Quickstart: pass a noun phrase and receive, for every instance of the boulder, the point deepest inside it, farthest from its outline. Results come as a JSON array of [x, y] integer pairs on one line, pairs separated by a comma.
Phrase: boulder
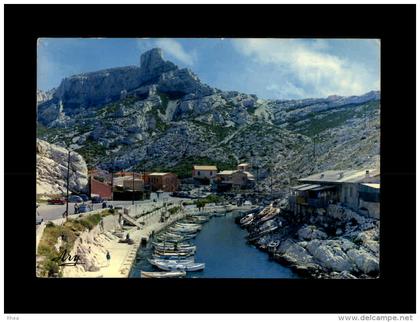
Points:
[[295, 254], [310, 232], [365, 262], [330, 255]]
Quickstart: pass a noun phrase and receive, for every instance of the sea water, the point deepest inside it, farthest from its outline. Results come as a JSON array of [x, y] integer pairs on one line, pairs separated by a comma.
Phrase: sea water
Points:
[[222, 246]]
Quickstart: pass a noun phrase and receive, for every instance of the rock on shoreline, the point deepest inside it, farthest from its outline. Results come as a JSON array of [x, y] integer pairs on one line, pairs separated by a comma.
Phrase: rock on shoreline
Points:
[[340, 244]]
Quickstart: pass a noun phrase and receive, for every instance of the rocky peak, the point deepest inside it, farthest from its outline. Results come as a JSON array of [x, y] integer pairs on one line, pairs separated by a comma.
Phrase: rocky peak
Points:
[[152, 65]]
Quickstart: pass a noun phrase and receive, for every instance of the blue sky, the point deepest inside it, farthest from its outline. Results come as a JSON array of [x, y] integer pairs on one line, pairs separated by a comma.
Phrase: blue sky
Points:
[[269, 68]]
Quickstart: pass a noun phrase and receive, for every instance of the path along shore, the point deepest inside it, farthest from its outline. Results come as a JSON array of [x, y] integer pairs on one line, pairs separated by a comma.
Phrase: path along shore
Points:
[[92, 246]]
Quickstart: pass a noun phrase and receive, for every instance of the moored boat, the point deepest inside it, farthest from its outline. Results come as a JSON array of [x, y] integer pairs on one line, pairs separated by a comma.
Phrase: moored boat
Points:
[[273, 244], [171, 257], [171, 244], [188, 267], [155, 261], [172, 247], [174, 274], [247, 219], [269, 216]]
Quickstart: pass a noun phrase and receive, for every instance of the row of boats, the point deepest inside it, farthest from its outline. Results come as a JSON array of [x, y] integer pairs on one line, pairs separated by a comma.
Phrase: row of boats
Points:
[[173, 251], [264, 222]]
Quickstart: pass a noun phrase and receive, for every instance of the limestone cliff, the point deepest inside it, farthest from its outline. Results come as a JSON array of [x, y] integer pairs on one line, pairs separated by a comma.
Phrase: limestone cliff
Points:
[[52, 170]]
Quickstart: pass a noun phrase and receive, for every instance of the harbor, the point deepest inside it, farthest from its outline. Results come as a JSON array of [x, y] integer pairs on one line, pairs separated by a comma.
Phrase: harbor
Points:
[[219, 250]]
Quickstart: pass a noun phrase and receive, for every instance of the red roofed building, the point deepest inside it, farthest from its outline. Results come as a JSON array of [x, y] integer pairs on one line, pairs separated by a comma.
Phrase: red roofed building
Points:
[[102, 189]]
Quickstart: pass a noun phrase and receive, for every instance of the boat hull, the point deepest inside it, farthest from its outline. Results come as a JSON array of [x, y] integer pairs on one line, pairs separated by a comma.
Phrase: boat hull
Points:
[[175, 274]]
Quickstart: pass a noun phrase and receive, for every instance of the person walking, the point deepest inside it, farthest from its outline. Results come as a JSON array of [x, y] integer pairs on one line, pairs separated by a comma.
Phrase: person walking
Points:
[[76, 208], [108, 257]]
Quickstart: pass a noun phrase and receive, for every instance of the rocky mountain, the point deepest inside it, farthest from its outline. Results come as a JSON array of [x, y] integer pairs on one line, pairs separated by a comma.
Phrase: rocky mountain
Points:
[[156, 116], [52, 170], [43, 96]]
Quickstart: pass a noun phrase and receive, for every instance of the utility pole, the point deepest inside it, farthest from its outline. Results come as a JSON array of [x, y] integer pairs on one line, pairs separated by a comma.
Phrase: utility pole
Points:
[[112, 180], [68, 182], [144, 182], [133, 188], [271, 180], [314, 153]]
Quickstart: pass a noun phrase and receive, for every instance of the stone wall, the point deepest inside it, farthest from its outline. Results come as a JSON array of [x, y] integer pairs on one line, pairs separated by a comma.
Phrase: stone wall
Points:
[[373, 208]]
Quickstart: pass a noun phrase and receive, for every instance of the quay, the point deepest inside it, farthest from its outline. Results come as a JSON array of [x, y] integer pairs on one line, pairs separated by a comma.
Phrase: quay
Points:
[[147, 220]]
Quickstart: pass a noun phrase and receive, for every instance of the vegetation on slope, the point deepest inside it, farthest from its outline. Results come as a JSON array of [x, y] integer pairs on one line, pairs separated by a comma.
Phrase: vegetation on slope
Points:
[[319, 122], [70, 230]]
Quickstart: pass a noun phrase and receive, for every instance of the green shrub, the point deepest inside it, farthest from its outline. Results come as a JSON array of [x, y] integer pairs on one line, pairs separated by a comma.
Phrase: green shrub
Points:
[[209, 199], [174, 210]]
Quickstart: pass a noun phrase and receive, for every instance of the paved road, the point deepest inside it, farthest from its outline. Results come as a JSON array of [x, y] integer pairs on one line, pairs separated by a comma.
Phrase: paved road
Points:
[[50, 212]]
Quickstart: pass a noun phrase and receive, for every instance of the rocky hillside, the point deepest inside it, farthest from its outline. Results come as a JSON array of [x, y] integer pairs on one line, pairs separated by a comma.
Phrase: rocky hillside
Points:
[[42, 96], [52, 170], [156, 116]]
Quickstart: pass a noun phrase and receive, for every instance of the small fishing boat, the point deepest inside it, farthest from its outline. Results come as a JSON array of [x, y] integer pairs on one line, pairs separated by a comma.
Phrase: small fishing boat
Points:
[[180, 235], [201, 219], [188, 267], [261, 233], [249, 222], [270, 215], [173, 252], [172, 247], [156, 261], [188, 225], [273, 244], [171, 257], [175, 274], [182, 230], [170, 244], [246, 219], [169, 239]]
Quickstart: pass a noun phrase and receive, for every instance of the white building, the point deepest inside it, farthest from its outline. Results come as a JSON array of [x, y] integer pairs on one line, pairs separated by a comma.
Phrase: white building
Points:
[[204, 171]]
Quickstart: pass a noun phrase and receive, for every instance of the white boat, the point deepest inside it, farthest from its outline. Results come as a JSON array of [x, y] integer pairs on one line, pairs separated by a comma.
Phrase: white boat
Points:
[[172, 257], [175, 274], [249, 222], [188, 226], [247, 219], [188, 267], [155, 261], [173, 253], [178, 248], [170, 244], [268, 216], [273, 244], [181, 230]]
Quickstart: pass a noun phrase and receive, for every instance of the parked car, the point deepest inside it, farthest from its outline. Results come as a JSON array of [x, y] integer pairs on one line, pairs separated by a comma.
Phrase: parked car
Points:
[[39, 219], [97, 199], [75, 198], [83, 208], [57, 201], [84, 197]]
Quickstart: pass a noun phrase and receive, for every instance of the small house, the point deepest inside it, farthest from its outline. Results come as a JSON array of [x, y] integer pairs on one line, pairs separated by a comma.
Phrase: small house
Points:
[[243, 167], [234, 178], [165, 181], [204, 171], [355, 189]]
